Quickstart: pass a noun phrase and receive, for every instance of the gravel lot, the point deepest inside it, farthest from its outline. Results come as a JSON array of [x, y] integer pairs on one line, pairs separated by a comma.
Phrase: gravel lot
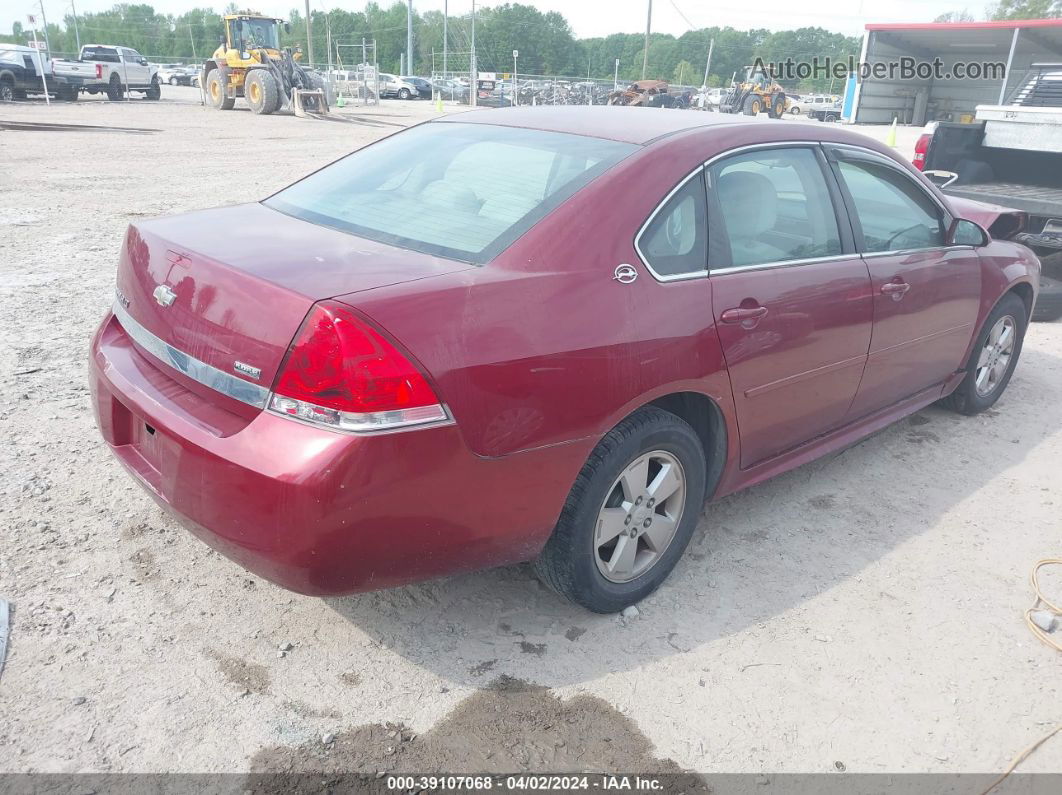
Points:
[[863, 612]]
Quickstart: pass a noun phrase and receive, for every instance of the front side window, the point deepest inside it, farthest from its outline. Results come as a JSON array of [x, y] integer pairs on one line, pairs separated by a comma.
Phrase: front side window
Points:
[[463, 191], [774, 207], [894, 213], [675, 241]]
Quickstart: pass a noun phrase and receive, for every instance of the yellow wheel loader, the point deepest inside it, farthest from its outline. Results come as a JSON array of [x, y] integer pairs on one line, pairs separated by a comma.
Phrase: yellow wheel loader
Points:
[[250, 63], [759, 93]]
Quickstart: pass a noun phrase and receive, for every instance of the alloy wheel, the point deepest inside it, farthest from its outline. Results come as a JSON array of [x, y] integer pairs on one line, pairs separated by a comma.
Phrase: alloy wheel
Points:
[[995, 356], [640, 516]]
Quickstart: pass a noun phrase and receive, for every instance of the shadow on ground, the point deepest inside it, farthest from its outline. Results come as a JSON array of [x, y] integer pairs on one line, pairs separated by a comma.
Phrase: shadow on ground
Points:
[[756, 553]]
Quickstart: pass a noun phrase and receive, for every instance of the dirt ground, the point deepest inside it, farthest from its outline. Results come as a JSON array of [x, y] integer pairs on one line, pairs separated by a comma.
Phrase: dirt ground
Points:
[[863, 612]]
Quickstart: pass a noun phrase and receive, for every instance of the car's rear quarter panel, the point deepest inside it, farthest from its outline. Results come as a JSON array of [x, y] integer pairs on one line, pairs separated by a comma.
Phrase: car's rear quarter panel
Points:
[[542, 346]]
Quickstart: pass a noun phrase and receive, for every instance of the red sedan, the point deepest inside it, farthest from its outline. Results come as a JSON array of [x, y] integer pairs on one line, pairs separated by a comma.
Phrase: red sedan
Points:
[[542, 334]]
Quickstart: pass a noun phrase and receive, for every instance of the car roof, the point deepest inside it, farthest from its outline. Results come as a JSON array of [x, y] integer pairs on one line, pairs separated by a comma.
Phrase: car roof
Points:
[[613, 122]]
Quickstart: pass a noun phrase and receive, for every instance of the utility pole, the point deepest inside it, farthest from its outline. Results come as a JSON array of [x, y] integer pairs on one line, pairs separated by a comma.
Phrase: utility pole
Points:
[[474, 81], [191, 38], [615, 76], [409, 36], [446, 15], [44, 19], [309, 36], [707, 66], [645, 53], [77, 34]]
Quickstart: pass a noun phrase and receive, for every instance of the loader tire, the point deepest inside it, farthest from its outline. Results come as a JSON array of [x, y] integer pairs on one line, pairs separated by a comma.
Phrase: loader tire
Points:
[[753, 105], [777, 107], [261, 91], [215, 89]]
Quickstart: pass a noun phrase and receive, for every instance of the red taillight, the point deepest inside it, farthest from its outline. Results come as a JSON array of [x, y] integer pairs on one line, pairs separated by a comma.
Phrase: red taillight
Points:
[[99, 71], [921, 147], [343, 373]]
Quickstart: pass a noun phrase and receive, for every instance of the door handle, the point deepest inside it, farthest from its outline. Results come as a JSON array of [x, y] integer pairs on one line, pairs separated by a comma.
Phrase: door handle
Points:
[[896, 289], [748, 317]]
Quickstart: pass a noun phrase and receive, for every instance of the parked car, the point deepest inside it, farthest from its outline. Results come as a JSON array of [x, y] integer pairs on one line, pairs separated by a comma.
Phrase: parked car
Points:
[[451, 89], [825, 111], [467, 378], [422, 86], [110, 69], [392, 86], [177, 74], [20, 74]]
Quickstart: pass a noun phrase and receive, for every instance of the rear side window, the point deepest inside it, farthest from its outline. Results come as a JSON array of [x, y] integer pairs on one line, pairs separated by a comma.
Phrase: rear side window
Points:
[[104, 54], [774, 206], [675, 241], [894, 213], [463, 191]]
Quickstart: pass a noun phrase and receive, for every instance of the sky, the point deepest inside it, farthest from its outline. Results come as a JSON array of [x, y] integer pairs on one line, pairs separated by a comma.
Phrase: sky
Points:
[[597, 17]]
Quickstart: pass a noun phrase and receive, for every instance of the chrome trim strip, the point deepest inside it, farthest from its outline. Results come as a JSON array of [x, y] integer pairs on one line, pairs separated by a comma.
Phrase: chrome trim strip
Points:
[[203, 373], [766, 266], [641, 230]]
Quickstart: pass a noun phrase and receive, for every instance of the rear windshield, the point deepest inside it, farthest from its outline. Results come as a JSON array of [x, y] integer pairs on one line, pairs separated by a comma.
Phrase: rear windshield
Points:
[[462, 191]]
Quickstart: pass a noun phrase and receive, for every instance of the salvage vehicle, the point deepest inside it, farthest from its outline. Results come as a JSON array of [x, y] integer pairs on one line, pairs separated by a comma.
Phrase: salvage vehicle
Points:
[[1011, 156], [249, 62], [416, 361], [110, 69], [646, 93]]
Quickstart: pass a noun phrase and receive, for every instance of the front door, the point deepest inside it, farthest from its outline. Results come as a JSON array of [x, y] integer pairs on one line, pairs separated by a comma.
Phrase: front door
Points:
[[791, 300], [926, 294]]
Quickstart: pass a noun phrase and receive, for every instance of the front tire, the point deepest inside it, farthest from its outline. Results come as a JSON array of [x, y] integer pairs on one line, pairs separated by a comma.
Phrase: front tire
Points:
[[216, 81], [173, 81], [404, 93], [753, 105], [630, 514], [994, 356], [155, 91], [261, 91]]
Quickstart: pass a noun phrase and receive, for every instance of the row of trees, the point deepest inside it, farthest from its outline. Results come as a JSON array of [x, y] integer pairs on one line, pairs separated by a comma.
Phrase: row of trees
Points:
[[545, 41]]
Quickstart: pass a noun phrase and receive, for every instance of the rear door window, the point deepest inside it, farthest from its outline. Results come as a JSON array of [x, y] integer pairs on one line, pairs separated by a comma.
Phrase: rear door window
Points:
[[774, 206], [675, 241], [895, 214]]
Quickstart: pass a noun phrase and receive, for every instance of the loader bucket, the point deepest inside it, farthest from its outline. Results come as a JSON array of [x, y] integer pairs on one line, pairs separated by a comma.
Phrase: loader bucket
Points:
[[308, 103]]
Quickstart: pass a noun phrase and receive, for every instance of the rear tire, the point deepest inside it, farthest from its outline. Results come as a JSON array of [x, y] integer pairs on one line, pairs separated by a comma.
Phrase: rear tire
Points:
[[215, 89], [987, 371], [114, 88], [261, 91], [577, 555]]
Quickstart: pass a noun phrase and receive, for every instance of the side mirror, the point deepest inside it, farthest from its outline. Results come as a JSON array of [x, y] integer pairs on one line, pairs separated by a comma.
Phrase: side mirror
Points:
[[967, 233]]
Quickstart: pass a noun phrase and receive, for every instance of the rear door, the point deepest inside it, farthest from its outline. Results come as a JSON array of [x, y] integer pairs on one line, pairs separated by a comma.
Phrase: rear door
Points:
[[136, 73], [926, 293], [791, 298]]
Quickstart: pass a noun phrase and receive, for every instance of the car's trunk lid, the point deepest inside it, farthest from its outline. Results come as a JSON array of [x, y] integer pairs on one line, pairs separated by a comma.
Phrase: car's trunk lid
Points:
[[242, 279]]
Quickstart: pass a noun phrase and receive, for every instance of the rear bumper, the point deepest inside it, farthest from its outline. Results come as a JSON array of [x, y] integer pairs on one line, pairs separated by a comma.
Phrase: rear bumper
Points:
[[316, 511]]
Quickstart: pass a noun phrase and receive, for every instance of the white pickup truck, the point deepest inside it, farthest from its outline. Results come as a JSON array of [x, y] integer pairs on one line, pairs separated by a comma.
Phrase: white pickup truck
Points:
[[110, 69]]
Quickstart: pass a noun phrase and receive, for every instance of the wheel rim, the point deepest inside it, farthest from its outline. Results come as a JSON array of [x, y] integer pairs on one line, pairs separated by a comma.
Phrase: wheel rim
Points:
[[996, 353], [255, 93], [640, 516], [215, 90]]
